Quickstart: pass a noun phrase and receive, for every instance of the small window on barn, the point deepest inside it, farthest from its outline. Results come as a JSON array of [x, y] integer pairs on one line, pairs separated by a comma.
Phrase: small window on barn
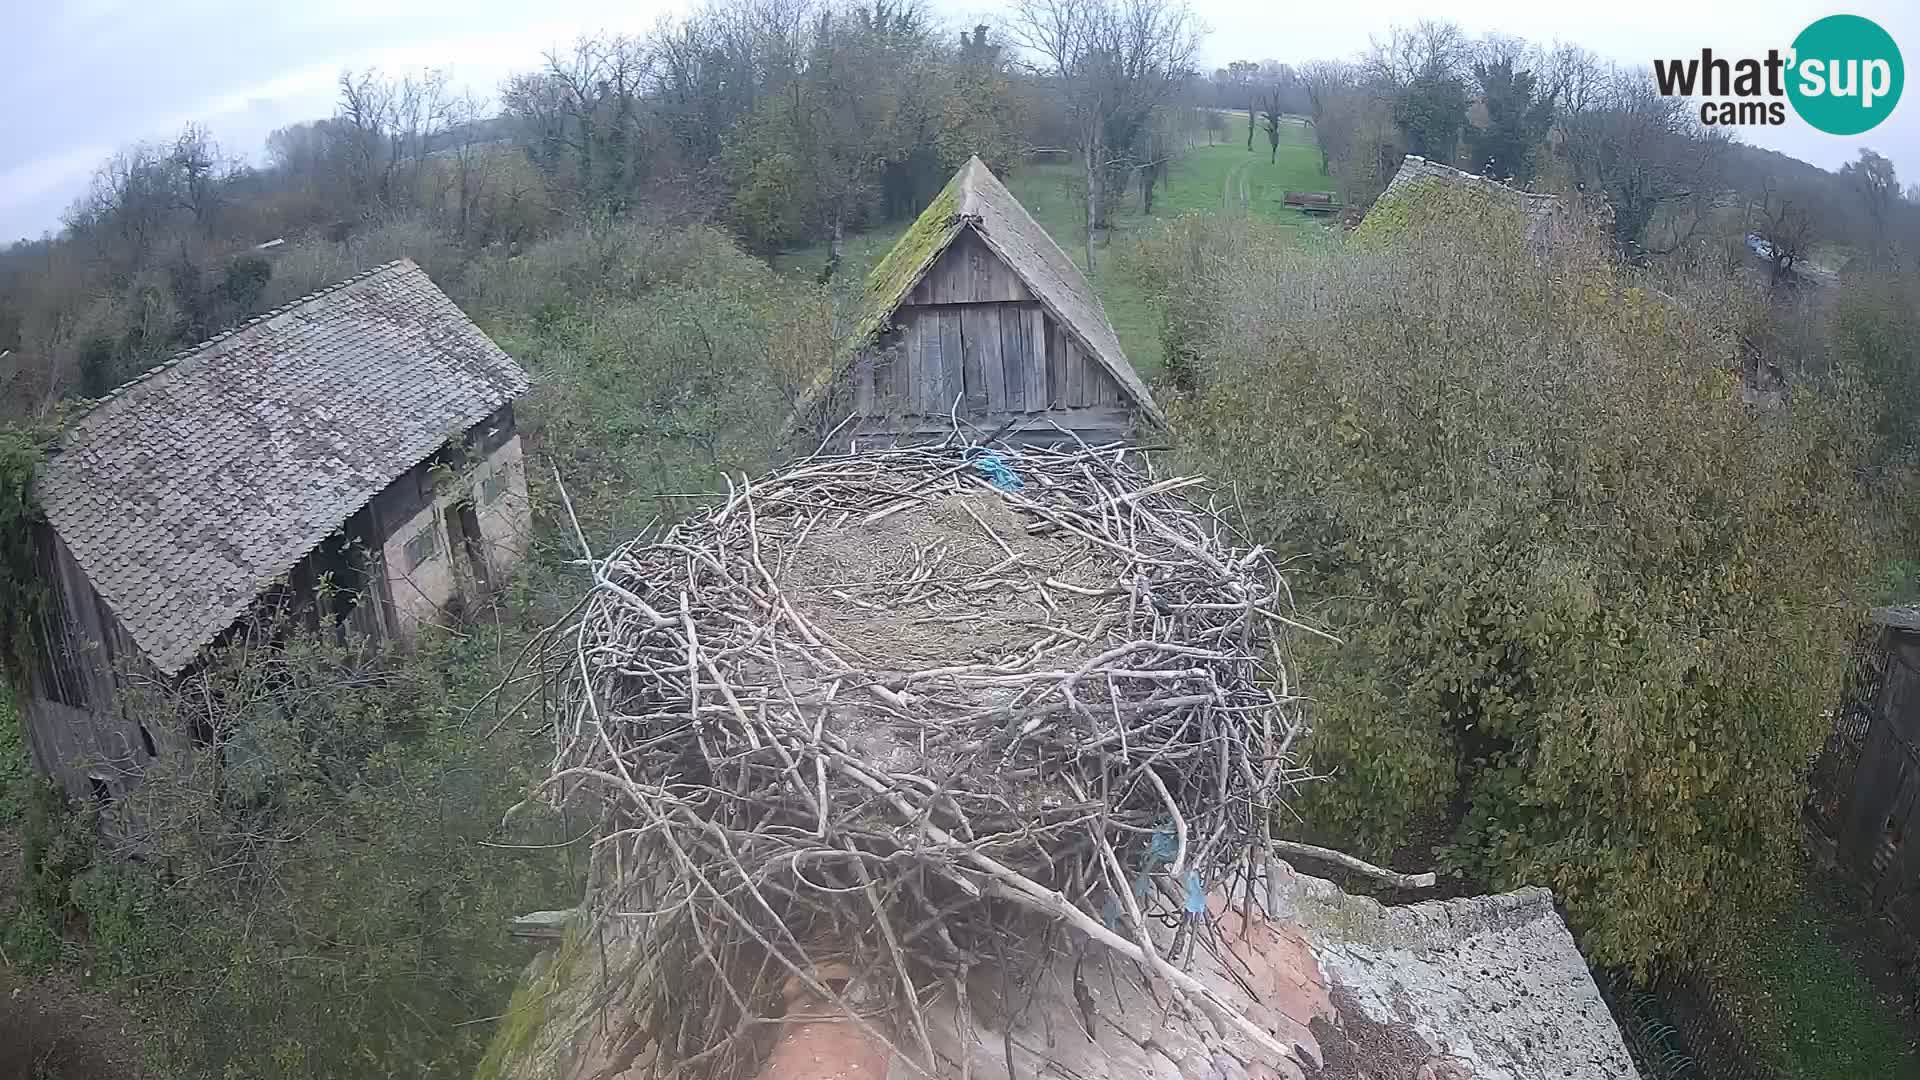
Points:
[[424, 545], [494, 486]]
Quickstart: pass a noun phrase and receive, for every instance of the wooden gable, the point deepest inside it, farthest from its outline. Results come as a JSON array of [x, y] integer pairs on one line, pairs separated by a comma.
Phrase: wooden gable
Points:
[[971, 339], [969, 272]]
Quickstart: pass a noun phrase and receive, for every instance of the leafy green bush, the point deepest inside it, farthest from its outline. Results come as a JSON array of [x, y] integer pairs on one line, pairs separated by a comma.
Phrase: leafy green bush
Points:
[[318, 261], [1876, 338], [665, 358], [310, 890], [1593, 606], [22, 594], [1877, 335], [16, 768]]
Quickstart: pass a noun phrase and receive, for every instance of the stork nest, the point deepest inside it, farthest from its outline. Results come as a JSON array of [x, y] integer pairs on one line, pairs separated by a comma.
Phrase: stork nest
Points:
[[873, 721]]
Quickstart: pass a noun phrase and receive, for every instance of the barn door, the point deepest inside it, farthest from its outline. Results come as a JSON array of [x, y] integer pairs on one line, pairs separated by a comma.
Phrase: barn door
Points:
[[463, 520]]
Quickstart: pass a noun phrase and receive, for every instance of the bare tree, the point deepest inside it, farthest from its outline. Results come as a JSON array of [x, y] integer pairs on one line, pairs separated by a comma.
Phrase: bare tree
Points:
[[1429, 49], [366, 114], [1117, 63], [1786, 231], [1575, 80], [1873, 180], [196, 159], [1270, 113], [1646, 154], [467, 148]]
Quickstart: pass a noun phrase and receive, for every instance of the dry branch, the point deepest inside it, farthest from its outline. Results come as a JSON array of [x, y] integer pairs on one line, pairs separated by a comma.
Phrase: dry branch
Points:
[[1341, 858], [869, 714]]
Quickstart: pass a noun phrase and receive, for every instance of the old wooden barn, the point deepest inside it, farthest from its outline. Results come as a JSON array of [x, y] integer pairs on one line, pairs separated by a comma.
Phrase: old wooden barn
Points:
[[977, 320], [1864, 807], [350, 458]]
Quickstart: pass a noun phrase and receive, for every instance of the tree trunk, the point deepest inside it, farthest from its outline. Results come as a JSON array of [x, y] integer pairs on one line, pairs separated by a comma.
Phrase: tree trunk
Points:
[[834, 250], [1249, 128], [1094, 173]]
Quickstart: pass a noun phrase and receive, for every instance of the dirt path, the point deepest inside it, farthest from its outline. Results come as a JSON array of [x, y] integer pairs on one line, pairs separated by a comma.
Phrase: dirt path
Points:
[[53, 1028], [1234, 198]]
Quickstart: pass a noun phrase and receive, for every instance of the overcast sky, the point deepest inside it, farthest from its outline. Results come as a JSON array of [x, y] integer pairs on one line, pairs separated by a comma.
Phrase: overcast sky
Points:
[[84, 77]]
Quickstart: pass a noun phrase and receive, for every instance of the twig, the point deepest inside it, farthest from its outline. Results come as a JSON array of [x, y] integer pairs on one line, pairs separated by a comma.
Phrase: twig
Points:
[[1359, 866]]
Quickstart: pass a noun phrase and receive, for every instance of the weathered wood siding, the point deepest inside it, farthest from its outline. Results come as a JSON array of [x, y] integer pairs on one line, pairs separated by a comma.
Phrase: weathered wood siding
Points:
[[992, 363], [971, 340], [968, 272], [80, 729], [1876, 831]]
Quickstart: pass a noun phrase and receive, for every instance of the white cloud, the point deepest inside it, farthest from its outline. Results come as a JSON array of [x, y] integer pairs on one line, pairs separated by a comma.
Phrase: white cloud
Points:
[[33, 193], [244, 67]]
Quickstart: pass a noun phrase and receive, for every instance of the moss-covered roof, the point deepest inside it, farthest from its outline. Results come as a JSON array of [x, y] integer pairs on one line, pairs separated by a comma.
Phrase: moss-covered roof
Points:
[[896, 275], [1424, 191], [976, 199]]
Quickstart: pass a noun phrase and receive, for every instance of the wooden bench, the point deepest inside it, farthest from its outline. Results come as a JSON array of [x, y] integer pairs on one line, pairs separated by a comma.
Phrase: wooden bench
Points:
[[1313, 202]]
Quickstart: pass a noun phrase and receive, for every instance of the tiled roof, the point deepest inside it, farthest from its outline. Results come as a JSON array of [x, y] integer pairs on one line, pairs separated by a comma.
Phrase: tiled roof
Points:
[[1537, 206], [184, 493], [976, 199], [1486, 988]]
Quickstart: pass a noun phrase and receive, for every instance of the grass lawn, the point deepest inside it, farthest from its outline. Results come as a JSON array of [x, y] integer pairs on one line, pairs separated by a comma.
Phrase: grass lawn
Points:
[[1227, 177], [1223, 178], [1803, 989]]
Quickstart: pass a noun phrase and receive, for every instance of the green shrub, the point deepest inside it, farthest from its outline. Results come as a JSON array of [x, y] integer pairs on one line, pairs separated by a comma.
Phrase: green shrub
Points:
[[1876, 338], [1593, 606], [309, 890], [318, 261], [23, 596], [683, 363]]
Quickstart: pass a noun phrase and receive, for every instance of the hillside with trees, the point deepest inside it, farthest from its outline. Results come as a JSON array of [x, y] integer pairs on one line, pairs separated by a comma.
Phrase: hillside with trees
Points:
[[1595, 529]]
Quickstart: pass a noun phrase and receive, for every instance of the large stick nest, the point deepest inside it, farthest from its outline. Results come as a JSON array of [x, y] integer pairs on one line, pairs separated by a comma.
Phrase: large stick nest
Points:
[[873, 722]]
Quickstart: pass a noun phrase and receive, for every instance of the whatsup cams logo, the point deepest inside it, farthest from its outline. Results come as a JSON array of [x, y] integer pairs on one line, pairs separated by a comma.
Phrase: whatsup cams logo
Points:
[[1842, 75]]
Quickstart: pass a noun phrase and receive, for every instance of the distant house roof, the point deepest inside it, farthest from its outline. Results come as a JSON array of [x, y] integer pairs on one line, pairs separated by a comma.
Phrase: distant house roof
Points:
[[1537, 207], [184, 493], [976, 199]]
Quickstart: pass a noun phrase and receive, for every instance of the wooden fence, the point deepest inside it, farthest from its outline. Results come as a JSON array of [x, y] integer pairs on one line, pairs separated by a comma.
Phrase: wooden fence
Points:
[[1712, 1036], [1677, 1029]]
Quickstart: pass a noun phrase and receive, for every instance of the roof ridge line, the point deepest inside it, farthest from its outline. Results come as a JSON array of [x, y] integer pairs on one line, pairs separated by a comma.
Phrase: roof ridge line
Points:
[[88, 405], [1458, 171]]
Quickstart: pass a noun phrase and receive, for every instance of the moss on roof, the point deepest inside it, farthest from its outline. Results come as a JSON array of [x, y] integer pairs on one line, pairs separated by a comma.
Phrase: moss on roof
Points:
[[1427, 201], [896, 274]]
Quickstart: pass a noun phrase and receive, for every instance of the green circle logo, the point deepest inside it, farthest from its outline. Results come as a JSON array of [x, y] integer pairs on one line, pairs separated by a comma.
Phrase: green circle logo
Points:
[[1846, 74]]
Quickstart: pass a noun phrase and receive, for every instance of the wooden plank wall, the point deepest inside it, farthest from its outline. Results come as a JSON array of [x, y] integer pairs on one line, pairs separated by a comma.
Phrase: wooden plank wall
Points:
[[970, 332], [969, 273], [78, 725], [1879, 834], [1000, 359]]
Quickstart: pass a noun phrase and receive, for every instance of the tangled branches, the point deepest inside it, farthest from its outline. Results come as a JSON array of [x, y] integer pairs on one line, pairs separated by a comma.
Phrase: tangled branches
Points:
[[874, 722]]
